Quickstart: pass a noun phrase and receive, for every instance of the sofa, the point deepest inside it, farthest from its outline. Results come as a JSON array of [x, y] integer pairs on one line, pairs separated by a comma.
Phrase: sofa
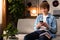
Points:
[[25, 26]]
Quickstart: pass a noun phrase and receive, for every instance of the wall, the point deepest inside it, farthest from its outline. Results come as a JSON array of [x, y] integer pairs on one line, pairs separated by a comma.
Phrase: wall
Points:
[[0, 11], [1, 38], [37, 3]]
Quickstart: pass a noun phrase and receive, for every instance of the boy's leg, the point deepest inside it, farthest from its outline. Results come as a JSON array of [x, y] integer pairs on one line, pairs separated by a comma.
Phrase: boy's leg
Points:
[[43, 38], [32, 36], [35, 35]]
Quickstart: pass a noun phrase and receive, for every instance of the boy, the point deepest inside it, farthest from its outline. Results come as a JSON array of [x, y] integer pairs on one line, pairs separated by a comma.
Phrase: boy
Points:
[[45, 25]]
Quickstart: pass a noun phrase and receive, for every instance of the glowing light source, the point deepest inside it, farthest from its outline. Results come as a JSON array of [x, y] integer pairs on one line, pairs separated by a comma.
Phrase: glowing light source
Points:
[[34, 11]]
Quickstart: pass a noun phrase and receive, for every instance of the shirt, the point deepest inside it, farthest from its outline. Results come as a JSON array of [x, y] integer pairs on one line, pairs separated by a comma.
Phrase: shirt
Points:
[[44, 20]]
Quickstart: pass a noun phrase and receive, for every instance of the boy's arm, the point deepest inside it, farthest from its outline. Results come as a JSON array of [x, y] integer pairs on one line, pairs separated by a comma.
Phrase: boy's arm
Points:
[[36, 22], [53, 27]]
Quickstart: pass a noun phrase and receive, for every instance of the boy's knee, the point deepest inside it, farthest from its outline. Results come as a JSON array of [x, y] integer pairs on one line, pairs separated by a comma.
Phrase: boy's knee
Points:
[[26, 37]]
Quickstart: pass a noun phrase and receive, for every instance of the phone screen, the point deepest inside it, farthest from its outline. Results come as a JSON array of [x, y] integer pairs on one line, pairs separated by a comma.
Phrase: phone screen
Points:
[[41, 21]]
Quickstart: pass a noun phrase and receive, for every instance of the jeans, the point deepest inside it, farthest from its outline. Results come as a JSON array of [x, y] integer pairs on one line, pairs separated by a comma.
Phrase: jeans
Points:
[[35, 35]]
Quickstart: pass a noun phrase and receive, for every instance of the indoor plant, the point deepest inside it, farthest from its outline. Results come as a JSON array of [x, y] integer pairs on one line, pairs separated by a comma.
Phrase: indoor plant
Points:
[[15, 11], [10, 32]]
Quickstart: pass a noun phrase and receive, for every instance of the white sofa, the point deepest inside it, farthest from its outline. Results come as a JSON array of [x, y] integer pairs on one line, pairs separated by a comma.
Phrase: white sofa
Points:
[[25, 26]]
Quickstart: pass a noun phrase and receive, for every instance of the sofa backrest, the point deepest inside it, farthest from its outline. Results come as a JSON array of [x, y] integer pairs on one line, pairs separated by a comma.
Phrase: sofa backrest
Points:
[[26, 25], [58, 26]]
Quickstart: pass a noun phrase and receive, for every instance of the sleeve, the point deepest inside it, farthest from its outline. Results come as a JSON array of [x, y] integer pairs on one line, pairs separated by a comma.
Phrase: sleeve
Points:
[[36, 22], [53, 27]]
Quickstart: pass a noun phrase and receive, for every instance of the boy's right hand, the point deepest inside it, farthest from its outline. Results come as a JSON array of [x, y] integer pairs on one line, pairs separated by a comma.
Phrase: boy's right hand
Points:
[[39, 25]]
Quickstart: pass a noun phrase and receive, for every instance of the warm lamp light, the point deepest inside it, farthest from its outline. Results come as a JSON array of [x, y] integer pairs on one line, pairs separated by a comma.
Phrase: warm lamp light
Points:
[[33, 11]]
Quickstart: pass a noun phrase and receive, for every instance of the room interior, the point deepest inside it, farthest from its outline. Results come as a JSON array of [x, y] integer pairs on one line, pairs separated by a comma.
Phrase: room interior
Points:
[[25, 23]]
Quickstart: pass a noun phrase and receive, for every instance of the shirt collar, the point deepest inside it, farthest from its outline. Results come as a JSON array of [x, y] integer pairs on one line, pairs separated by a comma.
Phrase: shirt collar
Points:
[[47, 16]]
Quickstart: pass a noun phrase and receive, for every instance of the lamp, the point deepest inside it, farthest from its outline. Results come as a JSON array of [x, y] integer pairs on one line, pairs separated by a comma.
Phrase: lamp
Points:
[[34, 11]]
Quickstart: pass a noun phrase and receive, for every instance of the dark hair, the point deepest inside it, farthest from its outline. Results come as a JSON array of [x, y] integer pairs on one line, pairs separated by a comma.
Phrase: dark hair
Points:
[[45, 5]]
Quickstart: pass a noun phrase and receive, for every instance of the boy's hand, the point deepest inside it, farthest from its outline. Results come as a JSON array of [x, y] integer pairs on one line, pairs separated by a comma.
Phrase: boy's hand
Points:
[[45, 24], [39, 25]]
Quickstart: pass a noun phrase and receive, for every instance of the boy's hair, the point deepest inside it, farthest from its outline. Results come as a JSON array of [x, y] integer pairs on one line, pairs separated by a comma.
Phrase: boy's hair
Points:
[[45, 5]]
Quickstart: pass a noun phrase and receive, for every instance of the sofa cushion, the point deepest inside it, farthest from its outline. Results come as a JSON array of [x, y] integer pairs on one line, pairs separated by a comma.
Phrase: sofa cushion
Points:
[[25, 25]]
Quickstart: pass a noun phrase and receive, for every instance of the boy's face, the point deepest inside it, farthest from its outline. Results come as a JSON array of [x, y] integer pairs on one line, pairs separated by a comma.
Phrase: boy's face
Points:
[[44, 10]]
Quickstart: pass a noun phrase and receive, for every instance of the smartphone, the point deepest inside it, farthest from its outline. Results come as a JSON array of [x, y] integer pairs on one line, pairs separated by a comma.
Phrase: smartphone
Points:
[[41, 21]]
